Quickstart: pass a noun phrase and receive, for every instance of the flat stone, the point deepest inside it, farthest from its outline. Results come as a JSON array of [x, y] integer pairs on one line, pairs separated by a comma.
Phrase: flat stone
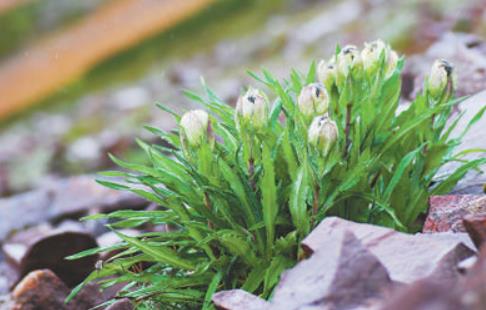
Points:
[[74, 196], [446, 213], [238, 300], [406, 257], [343, 274]]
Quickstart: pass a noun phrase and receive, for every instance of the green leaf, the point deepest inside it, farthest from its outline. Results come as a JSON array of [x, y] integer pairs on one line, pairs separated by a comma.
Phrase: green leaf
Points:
[[269, 196], [159, 253]]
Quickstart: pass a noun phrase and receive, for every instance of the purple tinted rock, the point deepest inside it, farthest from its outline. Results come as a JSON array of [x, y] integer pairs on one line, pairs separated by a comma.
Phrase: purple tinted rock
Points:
[[342, 274], [446, 213], [406, 257], [63, 198], [238, 300]]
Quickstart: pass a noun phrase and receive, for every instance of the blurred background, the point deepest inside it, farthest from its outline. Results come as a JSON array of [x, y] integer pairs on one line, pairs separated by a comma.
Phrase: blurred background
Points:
[[79, 79]]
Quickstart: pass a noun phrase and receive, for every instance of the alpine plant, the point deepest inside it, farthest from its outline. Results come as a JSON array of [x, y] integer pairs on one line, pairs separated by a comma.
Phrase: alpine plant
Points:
[[237, 189]]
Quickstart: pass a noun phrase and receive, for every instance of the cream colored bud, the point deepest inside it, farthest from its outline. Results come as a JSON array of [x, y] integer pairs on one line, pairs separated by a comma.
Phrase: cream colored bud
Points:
[[252, 109], [440, 74], [313, 100], [195, 126], [371, 55], [326, 73], [323, 133], [348, 58]]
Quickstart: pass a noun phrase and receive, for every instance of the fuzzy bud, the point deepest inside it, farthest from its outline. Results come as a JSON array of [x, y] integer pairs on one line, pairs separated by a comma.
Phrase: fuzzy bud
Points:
[[326, 73], [195, 127], [348, 59], [313, 100], [322, 133], [440, 75], [252, 109], [371, 56]]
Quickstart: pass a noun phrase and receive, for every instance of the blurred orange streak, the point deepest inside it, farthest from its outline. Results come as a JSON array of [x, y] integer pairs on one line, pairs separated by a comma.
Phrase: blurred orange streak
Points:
[[9, 4], [55, 61]]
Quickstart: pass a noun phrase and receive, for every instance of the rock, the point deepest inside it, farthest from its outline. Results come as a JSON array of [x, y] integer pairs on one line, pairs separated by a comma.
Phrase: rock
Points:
[[70, 197], [238, 300], [122, 304], [466, 293], [476, 227], [40, 249], [43, 290], [39, 290], [343, 274], [406, 257], [446, 213], [425, 295]]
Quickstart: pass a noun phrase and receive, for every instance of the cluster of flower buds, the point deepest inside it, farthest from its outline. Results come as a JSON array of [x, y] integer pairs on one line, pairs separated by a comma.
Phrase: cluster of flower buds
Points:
[[322, 134], [313, 100], [439, 78], [252, 109], [195, 127], [350, 59]]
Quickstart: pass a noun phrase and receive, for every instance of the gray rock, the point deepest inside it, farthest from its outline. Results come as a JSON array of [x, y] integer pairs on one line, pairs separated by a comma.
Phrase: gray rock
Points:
[[342, 274], [406, 257]]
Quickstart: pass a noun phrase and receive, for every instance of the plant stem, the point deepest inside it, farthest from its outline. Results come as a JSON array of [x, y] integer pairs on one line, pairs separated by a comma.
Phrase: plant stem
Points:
[[315, 204], [347, 129]]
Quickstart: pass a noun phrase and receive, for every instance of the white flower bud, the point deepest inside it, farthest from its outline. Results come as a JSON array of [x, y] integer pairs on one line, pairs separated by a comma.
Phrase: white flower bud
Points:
[[348, 58], [326, 73], [439, 76], [371, 55], [313, 100], [195, 126], [252, 109], [323, 133]]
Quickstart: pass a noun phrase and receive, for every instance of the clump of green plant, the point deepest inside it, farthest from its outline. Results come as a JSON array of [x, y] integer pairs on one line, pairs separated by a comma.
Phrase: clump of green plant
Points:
[[240, 188]]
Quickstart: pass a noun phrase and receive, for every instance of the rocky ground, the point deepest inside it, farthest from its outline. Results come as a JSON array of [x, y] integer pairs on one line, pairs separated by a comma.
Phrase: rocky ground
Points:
[[348, 265]]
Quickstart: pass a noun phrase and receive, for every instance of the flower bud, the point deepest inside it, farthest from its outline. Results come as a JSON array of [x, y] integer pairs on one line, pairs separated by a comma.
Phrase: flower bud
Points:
[[440, 74], [322, 133], [313, 100], [252, 109], [326, 73], [348, 58], [195, 126], [391, 63], [371, 55]]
